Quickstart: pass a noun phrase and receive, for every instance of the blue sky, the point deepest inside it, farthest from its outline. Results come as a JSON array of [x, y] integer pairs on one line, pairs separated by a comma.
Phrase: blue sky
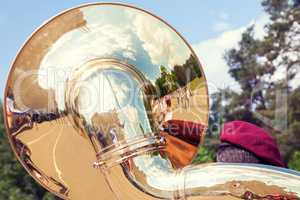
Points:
[[205, 24]]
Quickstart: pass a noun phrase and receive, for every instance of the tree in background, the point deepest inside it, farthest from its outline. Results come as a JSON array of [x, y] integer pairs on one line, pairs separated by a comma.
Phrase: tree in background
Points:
[[266, 70], [15, 183], [295, 161]]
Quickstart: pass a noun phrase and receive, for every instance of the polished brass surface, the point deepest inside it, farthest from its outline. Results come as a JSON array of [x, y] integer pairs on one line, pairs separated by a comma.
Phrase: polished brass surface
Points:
[[108, 101], [91, 85]]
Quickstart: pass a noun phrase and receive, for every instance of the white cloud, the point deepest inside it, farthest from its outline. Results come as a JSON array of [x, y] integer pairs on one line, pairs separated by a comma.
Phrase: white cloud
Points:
[[260, 23], [280, 73], [211, 53], [162, 43], [221, 26]]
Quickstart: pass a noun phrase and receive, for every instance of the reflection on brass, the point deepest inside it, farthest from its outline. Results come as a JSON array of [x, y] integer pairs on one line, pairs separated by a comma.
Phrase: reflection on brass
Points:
[[108, 101]]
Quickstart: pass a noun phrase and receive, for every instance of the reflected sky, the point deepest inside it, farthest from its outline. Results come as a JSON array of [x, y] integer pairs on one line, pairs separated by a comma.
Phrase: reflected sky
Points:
[[129, 35], [158, 171], [112, 90]]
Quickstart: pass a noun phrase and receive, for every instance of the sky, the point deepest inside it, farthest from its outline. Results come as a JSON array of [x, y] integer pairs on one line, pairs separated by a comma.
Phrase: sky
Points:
[[210, 26]]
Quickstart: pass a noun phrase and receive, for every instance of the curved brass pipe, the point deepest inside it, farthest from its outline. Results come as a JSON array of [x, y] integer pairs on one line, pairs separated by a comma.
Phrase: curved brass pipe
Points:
[[211, 181]]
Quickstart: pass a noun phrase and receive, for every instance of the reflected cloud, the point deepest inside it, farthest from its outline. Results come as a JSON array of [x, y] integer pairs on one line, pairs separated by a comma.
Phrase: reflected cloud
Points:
[[97, 69], [162, 44], [130, 35], [158, 171]]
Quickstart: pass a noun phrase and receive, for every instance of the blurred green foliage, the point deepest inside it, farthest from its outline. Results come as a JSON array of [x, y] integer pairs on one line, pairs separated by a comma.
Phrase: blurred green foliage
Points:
[[295, 161], [271, 103], [205, 155]]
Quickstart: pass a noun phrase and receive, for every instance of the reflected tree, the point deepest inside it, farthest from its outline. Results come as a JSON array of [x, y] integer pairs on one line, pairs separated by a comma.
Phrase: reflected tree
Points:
[[179, 76]]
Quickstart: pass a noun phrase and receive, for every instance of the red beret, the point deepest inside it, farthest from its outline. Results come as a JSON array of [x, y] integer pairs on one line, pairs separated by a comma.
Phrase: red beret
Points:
[[253, 139]]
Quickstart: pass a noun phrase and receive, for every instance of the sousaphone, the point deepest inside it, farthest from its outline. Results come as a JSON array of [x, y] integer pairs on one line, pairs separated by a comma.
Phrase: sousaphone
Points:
[[108, 101]]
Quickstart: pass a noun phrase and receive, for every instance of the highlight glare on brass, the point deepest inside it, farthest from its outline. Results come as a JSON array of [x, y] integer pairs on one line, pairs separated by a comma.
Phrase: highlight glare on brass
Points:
[[87, 107]]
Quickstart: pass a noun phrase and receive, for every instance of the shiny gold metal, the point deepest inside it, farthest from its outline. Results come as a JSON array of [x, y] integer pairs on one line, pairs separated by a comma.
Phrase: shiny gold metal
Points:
[[58, 132], [108, 101]]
